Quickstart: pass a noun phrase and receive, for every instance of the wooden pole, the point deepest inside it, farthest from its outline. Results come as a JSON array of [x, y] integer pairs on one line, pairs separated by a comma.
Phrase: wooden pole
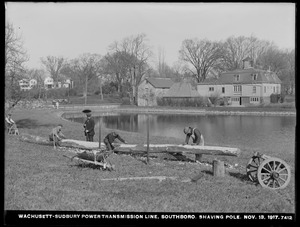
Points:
[[147, 138], [99, 132], [53, 141]]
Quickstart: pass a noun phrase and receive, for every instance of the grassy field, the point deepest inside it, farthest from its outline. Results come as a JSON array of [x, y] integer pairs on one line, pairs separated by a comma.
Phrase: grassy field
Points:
[[38, 177]]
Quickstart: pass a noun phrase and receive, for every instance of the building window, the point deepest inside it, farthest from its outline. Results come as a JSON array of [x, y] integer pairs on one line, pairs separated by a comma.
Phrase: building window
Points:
[[274, 89], [254, 89], [235, 99], [265, 89], [237, 77], [254, 76], [211, 88], [237, 88], [254, 99], [223, 89]]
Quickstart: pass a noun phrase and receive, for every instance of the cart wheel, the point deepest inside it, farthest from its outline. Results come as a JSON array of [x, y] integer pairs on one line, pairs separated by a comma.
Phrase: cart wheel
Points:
[[252, 167], [274, 173]]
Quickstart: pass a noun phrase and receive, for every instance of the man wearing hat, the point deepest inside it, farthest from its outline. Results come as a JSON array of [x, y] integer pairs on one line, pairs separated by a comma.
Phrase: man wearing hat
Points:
[[195, 134], [89, 126]]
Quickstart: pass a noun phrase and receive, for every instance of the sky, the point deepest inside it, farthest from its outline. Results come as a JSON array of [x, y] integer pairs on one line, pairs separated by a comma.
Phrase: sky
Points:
[[71, 29]]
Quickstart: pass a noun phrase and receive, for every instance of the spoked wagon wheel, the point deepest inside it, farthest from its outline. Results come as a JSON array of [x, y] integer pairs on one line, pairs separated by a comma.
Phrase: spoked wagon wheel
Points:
[[274, 173], [252, 167]]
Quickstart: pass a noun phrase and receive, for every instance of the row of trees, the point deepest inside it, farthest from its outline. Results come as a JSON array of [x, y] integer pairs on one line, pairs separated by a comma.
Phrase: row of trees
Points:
[[128, 62]]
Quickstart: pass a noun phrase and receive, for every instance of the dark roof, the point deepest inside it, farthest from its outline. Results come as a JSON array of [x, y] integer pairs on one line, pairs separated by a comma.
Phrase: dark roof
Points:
[[160, 82], [181, 90], [263, 76]]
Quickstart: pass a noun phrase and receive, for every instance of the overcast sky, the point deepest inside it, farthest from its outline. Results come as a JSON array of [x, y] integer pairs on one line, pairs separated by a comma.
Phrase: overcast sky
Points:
[[71, 29]]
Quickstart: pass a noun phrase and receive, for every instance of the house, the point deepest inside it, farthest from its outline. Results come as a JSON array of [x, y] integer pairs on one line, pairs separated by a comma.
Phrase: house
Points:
[[242, 87], [26, 84], [48, 83], [32, 83], [67, 83], [151, 88]]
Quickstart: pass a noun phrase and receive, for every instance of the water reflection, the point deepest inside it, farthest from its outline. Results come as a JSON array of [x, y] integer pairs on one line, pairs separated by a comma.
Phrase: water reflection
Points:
[[251, 131]]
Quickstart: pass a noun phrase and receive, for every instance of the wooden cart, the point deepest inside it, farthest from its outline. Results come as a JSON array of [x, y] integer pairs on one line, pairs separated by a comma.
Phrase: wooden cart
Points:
[[269, 172], [95, 158]]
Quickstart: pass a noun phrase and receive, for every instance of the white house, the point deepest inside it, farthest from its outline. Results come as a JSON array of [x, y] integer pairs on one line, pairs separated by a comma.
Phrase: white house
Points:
[[26, 84], [48, 83], [67, 83], [32, 82], [242, 87]]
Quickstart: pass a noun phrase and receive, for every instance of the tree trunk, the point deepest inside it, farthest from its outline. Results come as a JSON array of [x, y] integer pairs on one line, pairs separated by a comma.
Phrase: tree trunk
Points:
[[86, 82], [100, 85]]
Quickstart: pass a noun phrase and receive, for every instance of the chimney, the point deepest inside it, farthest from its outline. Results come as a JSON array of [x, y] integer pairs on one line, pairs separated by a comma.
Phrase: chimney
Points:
[[247, 63]]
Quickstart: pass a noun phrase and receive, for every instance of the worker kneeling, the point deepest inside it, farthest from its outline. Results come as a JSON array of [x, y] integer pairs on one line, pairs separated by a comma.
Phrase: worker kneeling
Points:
[[56, 135], [110, 138]]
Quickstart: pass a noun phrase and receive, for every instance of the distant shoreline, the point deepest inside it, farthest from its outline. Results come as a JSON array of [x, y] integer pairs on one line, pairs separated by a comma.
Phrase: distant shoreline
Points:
[[100, 110]]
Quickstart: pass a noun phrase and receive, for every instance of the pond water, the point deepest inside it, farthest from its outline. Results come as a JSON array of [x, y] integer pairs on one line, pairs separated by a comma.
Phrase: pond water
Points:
[[257, 132]]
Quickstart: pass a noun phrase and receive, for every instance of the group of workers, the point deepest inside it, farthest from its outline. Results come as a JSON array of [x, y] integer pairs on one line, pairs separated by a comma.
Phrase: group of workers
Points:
[[89, 132], [56, 134]]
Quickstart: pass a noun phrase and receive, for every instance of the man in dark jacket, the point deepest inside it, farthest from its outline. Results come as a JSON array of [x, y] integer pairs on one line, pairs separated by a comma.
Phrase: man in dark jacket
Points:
[[195, 134], [110, 138], [89, 126]]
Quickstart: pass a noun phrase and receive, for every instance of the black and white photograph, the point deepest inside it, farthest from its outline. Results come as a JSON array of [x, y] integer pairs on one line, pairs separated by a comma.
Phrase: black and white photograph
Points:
[[122, 112]]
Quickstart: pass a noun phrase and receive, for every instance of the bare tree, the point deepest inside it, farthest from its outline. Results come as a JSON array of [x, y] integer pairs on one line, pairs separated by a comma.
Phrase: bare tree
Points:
[[86, 68], [53, 65], [15, 57], [139, 52], [290, 70], [118, 64], [203, 55], [235, 49], [282, 63]]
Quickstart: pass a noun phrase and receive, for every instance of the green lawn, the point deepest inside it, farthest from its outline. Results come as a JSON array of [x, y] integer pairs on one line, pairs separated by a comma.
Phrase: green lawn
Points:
[[38, 177]]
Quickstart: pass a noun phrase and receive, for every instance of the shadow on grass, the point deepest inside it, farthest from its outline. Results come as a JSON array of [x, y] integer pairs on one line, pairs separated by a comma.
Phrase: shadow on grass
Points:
[[242, 177], [30, 123], [208, 172], [239, 176]]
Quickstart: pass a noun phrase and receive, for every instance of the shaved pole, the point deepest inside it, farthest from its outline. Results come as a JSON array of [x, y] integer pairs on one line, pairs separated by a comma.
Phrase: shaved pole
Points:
[[147, 138]]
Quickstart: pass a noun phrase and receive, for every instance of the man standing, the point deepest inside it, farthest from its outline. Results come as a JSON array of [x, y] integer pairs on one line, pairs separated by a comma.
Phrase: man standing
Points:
[[110, 138], [56, 135], [89, 126]]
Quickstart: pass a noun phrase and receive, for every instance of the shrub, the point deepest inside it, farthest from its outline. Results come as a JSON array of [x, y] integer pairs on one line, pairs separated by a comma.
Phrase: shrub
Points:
[[282, 97], [57, 93], [72, 92], [274, 98], [181, 102]]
